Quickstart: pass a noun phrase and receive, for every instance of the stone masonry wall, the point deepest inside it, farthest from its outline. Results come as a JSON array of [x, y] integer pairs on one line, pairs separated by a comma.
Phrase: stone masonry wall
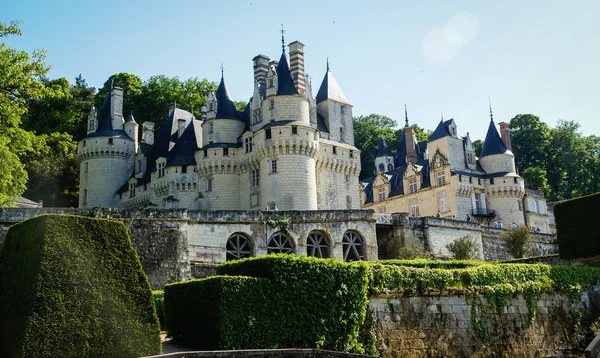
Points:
[[443, 326]]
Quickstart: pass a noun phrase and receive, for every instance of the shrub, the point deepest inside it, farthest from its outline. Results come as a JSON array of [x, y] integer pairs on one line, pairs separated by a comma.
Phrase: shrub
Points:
[[159, 304], [413, 252], [518, 241], [286, 302], [464, 248], [578, 236], [451, 264], [74, 287]]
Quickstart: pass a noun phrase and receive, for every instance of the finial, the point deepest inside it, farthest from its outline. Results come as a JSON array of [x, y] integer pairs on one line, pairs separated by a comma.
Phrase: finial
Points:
[[491, 114], [442, 116], [174, 104], [282, 39], [222, 69], [405, 116], [327, 64]]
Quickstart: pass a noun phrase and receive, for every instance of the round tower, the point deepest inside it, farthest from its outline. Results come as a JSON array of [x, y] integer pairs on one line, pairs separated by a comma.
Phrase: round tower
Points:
[[106, 155]]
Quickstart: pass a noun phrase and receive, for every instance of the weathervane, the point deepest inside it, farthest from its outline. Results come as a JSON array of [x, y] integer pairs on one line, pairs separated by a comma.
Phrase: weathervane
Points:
[[327, 64], [222, 68], [282, 39], [491, 114]]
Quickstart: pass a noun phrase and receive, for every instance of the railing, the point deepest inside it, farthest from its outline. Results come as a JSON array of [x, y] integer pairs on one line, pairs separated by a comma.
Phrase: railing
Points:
[[483, 212], [383, 218]]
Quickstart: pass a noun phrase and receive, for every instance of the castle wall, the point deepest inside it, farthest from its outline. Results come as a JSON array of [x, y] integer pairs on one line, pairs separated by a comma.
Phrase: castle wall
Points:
[[223, 131], [286, 108], [498, 163], [336, 119]]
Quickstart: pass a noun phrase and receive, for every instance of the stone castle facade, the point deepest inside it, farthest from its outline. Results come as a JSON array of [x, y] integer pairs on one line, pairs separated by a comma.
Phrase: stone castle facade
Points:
[[442, 177], [288, 150]]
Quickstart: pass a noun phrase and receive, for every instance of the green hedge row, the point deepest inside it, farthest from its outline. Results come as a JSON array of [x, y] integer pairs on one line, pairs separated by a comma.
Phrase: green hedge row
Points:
[[282, 302], [425, 263], [159, 304], [577, 232], [74, 287]]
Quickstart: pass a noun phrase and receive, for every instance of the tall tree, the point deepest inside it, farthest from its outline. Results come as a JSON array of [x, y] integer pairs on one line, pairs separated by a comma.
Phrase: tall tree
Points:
[[83, 97], [477, 145], [367, 132], [132, 90], [21, 77], [530, 138]]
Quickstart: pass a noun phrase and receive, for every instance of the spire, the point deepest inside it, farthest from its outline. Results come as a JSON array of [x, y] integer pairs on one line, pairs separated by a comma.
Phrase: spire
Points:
[[492, 144], [491, 114], [405, 116], [330, 89], [282, 39], [225, 106], [383, 149], [285, 82], [442, 116], [222, 70]]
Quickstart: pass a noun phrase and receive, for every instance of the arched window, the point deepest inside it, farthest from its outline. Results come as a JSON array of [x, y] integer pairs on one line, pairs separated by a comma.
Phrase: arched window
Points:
[[353, 246], [382, 167], [317, 245], [238, 247], [280, 243]]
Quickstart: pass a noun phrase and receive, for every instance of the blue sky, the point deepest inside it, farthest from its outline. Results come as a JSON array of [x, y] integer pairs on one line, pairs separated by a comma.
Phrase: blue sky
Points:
[[539, 57]]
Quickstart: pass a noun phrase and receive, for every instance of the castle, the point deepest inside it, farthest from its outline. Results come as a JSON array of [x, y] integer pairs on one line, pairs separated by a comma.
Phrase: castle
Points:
[[442, 177], [288, 150]]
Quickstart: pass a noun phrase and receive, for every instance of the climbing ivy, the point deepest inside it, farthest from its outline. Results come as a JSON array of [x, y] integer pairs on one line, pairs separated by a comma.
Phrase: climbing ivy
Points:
[[281, 223]]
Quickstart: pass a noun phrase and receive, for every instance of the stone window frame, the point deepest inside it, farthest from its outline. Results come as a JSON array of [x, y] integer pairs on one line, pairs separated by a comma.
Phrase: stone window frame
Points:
[[209, 185], [414, 207], [443, 202], [353, 246], [441, 177], [280, 243], [381, 168], [272, 104], [132, 189], [211, 127], [248, 144], [412, 185], [254, 178], [381, 193], [346, 178], [318, 244], [273, 166], [239, 245]]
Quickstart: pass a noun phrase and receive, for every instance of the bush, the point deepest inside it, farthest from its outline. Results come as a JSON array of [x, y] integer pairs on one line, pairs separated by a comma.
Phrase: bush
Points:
[[578, 236], [286, 302], [159, 304], [74, 287], [464, 248], [413, 252], [519, 241], [422, 263]]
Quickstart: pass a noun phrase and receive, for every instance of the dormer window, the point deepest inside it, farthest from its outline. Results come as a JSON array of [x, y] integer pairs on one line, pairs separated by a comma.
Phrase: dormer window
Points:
[[412, 185], [381, 194], [211, 106], [270, 82], [441, 178]]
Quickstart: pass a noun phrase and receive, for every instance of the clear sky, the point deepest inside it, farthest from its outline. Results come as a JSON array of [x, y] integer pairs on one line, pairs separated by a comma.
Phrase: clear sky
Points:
[[540, 57]]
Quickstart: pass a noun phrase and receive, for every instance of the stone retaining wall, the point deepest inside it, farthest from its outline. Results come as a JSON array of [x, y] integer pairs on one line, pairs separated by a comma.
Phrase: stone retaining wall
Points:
[[274, 353]]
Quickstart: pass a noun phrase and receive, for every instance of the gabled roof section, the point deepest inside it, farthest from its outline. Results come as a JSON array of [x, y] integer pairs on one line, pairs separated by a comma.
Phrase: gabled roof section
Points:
[[105, 128], [331, 90], [493, 143], [183, 151], [440, 131], [401, 153], [285, 82], [383, 149], [321, 126], [225, 106]]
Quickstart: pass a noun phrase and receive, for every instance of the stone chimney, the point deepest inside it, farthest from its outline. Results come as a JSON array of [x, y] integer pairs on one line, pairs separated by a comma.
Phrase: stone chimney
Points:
[[411, 155], [116, 108], [148, 133], [505, 134], [261, 67], [180, 127], [296, 50]]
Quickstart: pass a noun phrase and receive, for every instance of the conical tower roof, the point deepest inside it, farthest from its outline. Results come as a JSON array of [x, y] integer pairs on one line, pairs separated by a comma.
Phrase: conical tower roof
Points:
[[331, 90], [492, 144], [383, 149], [285, 82], [225, 106]]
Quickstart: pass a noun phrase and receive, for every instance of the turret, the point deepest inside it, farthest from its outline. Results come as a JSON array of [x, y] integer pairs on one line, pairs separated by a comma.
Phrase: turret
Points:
[[92, 122], [227, 124], [335, 109], [384, 161], [494, 156]]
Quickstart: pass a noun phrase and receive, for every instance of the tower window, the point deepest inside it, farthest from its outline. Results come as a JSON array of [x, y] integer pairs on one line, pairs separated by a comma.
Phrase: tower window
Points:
[[211, 106], [294, 130], [131, 190], [255, 178], [271, 104], [205, 153], [270, 82], [346, 178], [334, 150], [268, 134], [183, 169], [84, 143], [225, 152], [341, 134], [351, 154], [342, 109], [274, 166], [110, 141], [492, 181], [248, 144], [515, 178], [209, 185], [211, 128]]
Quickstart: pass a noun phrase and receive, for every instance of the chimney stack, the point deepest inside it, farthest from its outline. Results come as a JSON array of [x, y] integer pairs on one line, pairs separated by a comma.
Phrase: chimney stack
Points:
[[411, 155], [261, 67], [296, 50], [116, 108], [505, 134], [148, 133]]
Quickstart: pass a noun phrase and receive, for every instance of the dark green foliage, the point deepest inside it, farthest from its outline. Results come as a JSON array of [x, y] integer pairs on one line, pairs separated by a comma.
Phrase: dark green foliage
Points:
[[159, 304], [454, 264], [577, 229], [518, 241], [286, 302], [414, 252], [463, 248], [74, 287]]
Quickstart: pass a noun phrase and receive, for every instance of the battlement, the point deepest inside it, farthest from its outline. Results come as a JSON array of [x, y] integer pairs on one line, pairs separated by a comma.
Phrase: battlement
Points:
[[105, 147]]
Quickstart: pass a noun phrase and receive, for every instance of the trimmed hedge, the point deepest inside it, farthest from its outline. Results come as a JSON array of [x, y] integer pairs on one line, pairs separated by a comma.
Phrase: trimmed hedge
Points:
[[578, 235], [286, 302], [159, 304], [423, 263], [74, 287]]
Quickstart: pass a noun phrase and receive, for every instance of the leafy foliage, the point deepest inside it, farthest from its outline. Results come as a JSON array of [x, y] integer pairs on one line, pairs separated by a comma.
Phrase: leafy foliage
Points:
[[281, 223], [317, 303], [518, 241], [74, 287], [463, 248], [159, 305], [413, 252], [367, 132], [577, 234]]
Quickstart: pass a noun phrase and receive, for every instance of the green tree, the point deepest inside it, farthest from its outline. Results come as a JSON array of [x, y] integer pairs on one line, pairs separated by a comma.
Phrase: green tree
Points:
[[367, 132], [21, 77], [463, 248], [132, 89], [83, 97], [530, 138], [518, 241], [477, 145], [535, 178]]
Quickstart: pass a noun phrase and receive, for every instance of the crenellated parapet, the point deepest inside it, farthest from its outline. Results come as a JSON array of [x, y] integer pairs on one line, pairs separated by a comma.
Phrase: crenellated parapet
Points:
[[496, 191], [338, 158], [118, 148]]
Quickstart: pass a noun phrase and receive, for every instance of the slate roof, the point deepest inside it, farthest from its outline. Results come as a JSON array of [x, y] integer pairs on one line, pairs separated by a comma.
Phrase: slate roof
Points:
[[331, 90], [285, 82], [441, 130], [225, 106], [321, 126], [104, 128], [401, 152], [183, 151], [383, 149], [492, 144]]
